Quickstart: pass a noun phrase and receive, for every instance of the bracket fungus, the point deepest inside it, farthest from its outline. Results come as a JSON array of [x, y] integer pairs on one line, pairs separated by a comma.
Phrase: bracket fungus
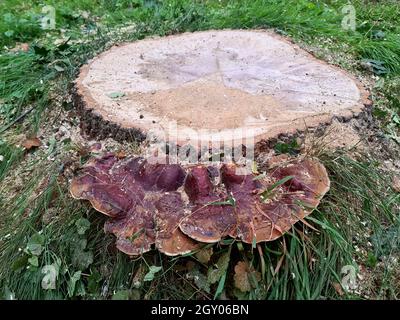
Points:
[[177, 208]]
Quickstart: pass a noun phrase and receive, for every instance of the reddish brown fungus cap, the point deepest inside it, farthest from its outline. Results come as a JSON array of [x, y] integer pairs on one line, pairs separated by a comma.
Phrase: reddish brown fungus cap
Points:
[[209, 220], [169, 238], [267, 207], [179, 208]]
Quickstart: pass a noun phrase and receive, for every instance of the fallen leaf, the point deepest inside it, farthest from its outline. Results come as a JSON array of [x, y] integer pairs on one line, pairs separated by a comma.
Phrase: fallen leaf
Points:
[[138, 279], [152, 271], [35, 244], [34, 261], [8, 294], [31, 143], [24, 47], [82, 225], [338, 288], [199, 279], [215, 273], [126, 295], [95, 147], [204, 255], [378, 34], [245, 277], [190, 265], [374, 66], [121, 295], [9, 33], [50, 272], [240, 295], [121, 154], [21, 47], [240, 277], [82, 258], [396, 183], [72, 283], [82, 150], [116, 95]]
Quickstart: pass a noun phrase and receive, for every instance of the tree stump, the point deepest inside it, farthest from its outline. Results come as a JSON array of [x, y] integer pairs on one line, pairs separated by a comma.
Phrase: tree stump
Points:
[[221, 84]]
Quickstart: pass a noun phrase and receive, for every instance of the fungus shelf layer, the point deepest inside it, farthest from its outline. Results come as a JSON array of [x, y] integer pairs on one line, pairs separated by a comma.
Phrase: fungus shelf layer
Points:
[[177, 208]]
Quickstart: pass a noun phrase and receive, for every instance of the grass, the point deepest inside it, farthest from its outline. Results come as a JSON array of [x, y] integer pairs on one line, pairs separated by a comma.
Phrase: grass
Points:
[[10, 155], [302, 20], [304, 265], [42, 228]]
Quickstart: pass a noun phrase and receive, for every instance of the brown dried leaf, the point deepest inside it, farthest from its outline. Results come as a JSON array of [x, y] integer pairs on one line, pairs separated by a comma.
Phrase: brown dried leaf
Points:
[[245, 277], [121, 154], [138, 278], [21, 47], [338, 288], [204, 255], [396, 183], [30, 143]]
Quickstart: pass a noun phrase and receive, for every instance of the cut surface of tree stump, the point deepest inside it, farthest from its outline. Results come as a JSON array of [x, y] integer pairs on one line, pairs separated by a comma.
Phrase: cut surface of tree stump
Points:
[[222, 83]]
